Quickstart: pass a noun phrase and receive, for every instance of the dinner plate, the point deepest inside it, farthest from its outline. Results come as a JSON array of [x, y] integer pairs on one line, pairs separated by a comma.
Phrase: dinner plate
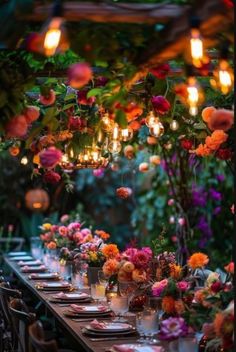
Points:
[[15, 254], [111, 327], [71, 296], [33, 269], [23, 257], [44, 276], [108, 334], [136, 348], [72, 314], [90, 309], [51, 286], [30, 262]]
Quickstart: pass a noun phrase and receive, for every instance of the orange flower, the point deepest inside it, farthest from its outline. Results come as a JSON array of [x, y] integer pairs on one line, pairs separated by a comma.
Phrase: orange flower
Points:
[[198, 260], [200, 297], [230, 268], [168, 304], [102, 234], [202, 150], [224, 324], [179, 306], [139, 275], [52, 245], [207, 112], [110, 267], [110, 250], [221, 119], [175, 271], [214, 141]]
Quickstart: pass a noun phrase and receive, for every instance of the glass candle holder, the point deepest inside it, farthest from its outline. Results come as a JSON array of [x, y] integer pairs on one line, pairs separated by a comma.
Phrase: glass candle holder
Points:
[[98, 292], [119, 305]]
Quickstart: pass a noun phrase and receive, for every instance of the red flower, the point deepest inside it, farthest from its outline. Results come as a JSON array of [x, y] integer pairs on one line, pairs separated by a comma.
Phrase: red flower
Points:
[[186, 144], [51, 177], [229, 3], [50, 157], [216, 286], [82, 98], [160, 71], [160, 104], [79, 75], [31, 113], [124, 192], [76, 123], [16, 127], [224, 154]]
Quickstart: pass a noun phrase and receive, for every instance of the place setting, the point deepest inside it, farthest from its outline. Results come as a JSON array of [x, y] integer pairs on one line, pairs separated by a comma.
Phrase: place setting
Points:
[[22, 258], [17, 254], [45, 276], [54, 286], [70, 298], [30, 262], [33, 269], [108, 329]]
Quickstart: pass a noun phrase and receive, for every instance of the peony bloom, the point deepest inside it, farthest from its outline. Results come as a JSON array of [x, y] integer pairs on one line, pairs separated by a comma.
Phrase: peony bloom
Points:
[[230, 268], [49, 99], [50, 157], [51, 177], [79, 75], [158, 287], [168, 304], [183, 286], [141, 259], [198, 260], [83, 100], [16, 127], [214, 141], [110, 267], [160, 104], [202, 150], [110, 250], [124, 192], [139, 275], [160, 71], [221, 119], [31, 113], [173, 328], [207, 112]]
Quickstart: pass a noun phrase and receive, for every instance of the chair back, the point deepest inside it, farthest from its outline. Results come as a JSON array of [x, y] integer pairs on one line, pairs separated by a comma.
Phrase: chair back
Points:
[[21, 319], [37, 339]]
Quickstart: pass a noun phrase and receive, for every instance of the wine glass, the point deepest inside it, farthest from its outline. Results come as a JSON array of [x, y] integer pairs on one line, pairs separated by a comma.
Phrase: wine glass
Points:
[[119, 305], [139, 328], [98, 292], [149, 325], [127, 288]]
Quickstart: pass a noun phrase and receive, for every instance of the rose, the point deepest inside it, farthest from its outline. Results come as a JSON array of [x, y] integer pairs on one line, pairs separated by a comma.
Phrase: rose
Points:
[[214, 141], [50, 157], [183, 285], [16, 127], [31, 113], [186, 144], [216, 286], [79, 75], [51, 177], [160, 104], [48, 99]]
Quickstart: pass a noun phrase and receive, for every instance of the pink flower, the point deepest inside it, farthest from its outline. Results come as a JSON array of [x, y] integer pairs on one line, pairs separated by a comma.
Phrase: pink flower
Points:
[[54, 228], [75, 123], [141, 259], [160, 104], [170, 202], [158, 287], [51, 177], [160, 71], [79, 75], [232, 209], [16, 127], [172, 328], [64, 218], [63, 231], [74, 226], [85, 232], [31, 113], [148, 251], [183, 286], [129, 254], [49, 99], [83, 100], [221, 119], [50, 157], [98, 173]]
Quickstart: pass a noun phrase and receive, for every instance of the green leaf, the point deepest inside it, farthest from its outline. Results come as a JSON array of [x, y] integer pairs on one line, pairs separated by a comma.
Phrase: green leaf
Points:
[[121, 118], [50, 113], [68, 106], [70, 97], [94, 92]]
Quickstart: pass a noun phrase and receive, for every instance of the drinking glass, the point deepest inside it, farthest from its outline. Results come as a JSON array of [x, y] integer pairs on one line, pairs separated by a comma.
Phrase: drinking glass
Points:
[[149, 325], [98, 292], [188, 344], [66, 271], [155, 303], [139, 328], [36, 247], [119, 305], [102, 278], [79, 270]]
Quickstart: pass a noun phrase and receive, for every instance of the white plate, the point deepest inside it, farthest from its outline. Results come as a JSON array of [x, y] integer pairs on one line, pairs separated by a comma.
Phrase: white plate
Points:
[[137, 348], [33, 269], [70, 296], [25, 257], [15, 254], [30, 262], [111, 327], [44, 276], [55, 284], [90, 309]]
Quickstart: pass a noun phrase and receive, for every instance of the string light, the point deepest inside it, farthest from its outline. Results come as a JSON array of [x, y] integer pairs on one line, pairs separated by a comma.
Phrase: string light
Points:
[[127, 134], [24, 160], [151, 119], [106, 123], [157, 130], [116, 132], [196, 44], [174, 125], [114, 147], [194, 96]]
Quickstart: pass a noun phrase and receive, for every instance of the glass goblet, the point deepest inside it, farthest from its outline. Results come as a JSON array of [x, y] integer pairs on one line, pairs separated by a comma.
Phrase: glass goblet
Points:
[[98, 292], [119, 305], [149, 325]]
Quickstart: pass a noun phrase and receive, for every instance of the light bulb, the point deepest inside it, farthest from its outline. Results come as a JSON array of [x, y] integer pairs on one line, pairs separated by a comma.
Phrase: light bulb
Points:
[[193, 96], [115, 132], [157, 130], [174, 125], [127, 134], [196, 47], [223, 77], [24, 160], [107, 124], [151, 119], [55, 39], [114, 147]]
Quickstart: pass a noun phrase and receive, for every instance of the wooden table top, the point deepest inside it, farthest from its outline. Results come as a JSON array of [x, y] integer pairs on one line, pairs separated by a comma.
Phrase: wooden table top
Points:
[[74, 328]]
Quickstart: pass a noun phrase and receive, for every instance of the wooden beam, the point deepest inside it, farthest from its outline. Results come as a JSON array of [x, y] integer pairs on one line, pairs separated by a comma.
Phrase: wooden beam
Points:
[[108, 12]]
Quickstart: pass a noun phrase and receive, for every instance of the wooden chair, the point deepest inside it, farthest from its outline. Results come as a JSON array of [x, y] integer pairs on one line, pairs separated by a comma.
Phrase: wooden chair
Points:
[[21, 319], [38, 342]]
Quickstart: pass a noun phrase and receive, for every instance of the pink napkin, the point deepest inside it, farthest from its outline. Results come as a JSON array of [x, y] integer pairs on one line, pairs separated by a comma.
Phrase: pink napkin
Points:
[[77, 308], [97, 325], [21, 262], [64, 295], [132, 348], [28, 268]]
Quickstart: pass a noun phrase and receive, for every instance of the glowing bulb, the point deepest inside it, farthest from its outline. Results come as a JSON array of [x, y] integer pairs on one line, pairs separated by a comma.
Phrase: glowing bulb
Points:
[[151, 119], [157, 130], [53, 36], [193, 96], [24, 160], [106, 123], [225, 77], [174, 125], [126, 134], [196, 47], [115, 132], [114, 147]]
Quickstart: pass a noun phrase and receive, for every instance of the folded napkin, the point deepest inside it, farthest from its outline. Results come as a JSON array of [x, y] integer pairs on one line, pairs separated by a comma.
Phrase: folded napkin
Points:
[[97, 325], [77, 308], [34, 262], [137, 348], [29, 268], [66, 296]]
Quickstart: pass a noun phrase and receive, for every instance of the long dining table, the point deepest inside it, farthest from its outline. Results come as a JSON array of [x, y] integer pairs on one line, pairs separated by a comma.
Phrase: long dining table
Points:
[[74, 328]]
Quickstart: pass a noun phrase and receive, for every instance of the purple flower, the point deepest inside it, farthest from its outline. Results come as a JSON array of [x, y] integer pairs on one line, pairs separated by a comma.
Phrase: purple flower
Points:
[[220, 177], [205, 230], [216, 211], [99, 173], [214, 194], [199, 197], [173, 328]]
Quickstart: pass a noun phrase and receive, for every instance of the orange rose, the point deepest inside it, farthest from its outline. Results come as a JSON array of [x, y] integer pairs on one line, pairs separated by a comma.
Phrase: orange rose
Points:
[[52, 245], [110, 267], [230, 268], [203, 150], [214, 141], [198, 260], [168, 304]]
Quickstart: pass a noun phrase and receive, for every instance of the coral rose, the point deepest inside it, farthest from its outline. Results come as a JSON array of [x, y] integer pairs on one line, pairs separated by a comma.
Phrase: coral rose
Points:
[[221, 119], [168, 304], [79, 75], [128, 267], [214, 141], [207, 112], [110, 250], [110, 267], [31, 113], [50, 157], [230, 268], [160, 104], [198, 260], [51, 177], [124, 192], [16, 127], [49, 99], [203, 150]]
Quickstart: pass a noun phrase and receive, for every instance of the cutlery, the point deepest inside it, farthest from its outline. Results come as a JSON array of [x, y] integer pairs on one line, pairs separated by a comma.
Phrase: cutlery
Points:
[[88, 319], [108, 338]]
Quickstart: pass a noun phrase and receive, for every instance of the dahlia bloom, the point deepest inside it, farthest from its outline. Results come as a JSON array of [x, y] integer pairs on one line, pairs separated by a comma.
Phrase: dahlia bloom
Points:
[[110, 267], [110, 250], [50, 157], [198, 260], [173, 328]]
